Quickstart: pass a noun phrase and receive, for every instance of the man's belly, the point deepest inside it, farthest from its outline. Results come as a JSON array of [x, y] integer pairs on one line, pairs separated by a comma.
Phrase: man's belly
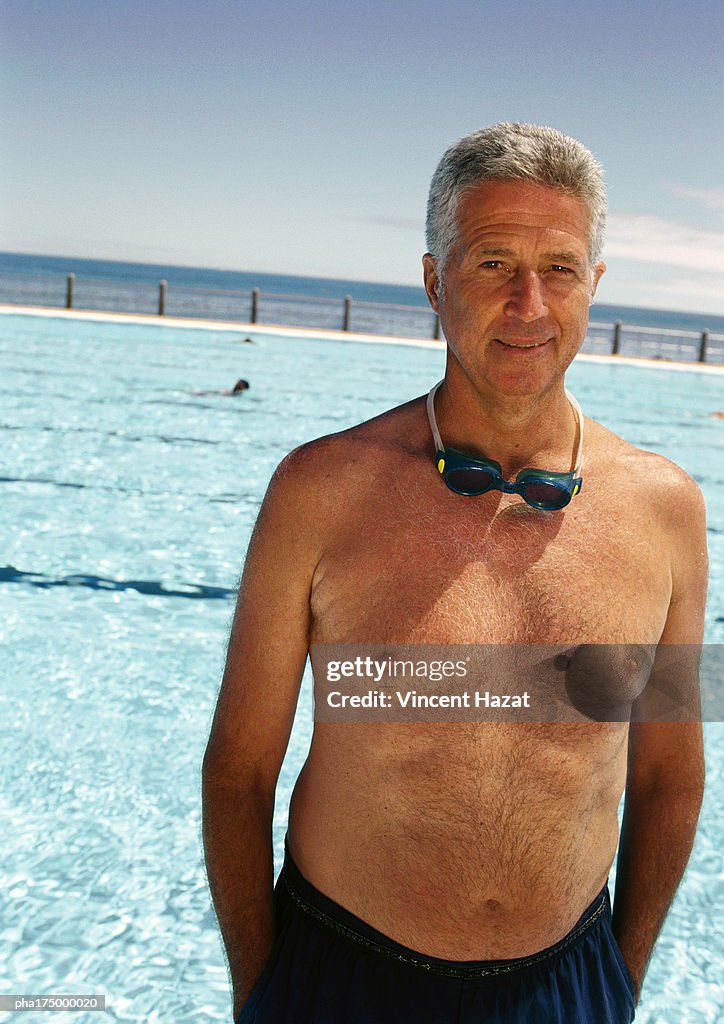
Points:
[[465, 841]]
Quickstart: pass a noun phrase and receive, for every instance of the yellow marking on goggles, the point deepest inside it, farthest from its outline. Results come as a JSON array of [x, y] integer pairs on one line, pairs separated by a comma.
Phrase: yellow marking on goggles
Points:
[[440, 465]]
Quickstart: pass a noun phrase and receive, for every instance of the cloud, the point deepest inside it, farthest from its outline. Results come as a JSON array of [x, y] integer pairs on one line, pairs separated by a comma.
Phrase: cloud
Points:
[[711, 198], [689, 287], [406, 223], [651, 239]]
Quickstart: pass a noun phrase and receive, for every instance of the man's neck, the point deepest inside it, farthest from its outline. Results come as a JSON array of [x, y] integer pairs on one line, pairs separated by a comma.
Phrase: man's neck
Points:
[[518, 431]]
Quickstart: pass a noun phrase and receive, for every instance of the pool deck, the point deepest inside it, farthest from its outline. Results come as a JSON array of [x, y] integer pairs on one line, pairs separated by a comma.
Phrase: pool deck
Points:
[[307, 332]]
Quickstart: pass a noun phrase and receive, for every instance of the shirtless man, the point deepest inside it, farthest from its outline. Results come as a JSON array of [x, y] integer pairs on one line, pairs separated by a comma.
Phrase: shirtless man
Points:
[[457, 872]]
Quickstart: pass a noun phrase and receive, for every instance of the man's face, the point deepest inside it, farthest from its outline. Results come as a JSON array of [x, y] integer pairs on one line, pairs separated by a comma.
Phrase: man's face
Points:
[[517, 286]]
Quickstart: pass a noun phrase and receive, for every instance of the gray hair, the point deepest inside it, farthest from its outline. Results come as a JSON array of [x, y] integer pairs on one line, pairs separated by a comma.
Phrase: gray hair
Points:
[[513, 152]]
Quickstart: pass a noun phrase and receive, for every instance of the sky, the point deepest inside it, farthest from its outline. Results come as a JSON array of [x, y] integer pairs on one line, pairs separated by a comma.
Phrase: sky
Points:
[[300, 138]]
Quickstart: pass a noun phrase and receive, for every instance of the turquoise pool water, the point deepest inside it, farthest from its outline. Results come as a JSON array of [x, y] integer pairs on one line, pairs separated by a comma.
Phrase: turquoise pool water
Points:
[[127, 504]]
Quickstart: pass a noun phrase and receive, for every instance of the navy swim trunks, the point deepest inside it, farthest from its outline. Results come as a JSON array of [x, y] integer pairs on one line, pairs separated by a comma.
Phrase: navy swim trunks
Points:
[[329, 967]]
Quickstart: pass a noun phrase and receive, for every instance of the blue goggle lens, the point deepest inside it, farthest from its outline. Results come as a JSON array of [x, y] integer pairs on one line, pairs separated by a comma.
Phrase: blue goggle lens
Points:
[[545, 496], [470, 480]]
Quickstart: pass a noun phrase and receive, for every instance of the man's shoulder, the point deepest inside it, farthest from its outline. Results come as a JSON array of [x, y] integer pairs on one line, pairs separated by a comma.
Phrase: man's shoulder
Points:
[[394, 430], [348, 458], [652, 477]]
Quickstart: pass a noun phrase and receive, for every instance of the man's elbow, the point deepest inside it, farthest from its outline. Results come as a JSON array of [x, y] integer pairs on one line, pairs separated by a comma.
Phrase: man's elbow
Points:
[[224, 769], [221, 766], [681, 793]]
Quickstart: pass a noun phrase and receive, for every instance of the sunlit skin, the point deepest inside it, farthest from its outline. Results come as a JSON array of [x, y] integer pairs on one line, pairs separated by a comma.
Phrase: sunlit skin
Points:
[[519, 275]]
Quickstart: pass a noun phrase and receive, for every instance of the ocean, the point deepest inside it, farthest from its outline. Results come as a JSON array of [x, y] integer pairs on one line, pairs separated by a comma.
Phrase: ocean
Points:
[[377, 308]]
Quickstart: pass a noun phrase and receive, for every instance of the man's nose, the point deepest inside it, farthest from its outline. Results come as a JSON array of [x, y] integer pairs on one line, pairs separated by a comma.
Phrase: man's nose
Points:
[[526, 300]]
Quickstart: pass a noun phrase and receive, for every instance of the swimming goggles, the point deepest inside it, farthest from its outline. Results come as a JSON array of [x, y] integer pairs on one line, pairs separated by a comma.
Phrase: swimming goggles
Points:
[[470, 475]]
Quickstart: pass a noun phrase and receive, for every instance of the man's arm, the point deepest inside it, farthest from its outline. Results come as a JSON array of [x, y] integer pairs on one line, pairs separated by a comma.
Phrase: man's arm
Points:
[[665, 778], [253, 720]]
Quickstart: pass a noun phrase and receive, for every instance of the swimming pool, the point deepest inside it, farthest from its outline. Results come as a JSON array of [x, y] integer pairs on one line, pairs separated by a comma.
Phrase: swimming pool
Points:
[[127, 506]]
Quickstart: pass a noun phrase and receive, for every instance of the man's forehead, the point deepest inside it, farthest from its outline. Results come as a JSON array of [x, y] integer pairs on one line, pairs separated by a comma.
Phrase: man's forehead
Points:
[[494, 208]]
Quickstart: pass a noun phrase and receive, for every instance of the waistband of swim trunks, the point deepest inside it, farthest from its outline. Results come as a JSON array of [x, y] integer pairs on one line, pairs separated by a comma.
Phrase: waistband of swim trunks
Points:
[[330, 914]]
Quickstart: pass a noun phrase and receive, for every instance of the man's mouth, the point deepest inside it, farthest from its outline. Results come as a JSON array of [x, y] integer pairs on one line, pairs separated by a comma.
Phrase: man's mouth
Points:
[[523, 344]]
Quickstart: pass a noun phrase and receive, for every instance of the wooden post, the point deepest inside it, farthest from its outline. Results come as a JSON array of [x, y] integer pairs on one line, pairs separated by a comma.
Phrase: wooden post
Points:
[[616, 338], [702, 345], [436, 329], [70, 288], [162, 287], [347, 308], [254, 305]]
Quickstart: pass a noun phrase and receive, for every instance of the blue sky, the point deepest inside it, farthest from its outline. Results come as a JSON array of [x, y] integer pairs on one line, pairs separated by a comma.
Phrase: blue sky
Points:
[[300, 138]]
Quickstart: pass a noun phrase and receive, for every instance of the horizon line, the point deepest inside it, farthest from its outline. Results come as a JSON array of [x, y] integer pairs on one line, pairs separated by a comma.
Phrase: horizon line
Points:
[[313, 277]]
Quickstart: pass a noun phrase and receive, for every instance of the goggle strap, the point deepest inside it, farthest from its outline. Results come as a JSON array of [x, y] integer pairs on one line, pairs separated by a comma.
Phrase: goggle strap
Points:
[[439, 446], [578, 461]]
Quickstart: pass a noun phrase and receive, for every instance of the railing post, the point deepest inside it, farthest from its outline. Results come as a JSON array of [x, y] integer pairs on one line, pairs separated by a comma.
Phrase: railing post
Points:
[[436, 329], [163, 285], [616, 338], [347, 308], [702, 345], [254, 305], [70, 288]]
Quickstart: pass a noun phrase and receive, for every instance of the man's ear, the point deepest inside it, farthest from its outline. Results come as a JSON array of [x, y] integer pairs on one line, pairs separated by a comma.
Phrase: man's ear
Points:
[[598, 272], [432, 280]]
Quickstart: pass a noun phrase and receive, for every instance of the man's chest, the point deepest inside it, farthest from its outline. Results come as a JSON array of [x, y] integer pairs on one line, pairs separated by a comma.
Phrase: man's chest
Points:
[[493, 574]]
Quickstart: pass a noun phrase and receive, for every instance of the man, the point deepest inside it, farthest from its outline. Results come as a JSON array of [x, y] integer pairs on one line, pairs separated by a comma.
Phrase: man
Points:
[[441, 872]]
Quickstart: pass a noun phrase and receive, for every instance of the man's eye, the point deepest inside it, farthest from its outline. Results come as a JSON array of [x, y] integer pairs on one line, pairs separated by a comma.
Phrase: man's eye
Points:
[[561, 269], [492, 264]]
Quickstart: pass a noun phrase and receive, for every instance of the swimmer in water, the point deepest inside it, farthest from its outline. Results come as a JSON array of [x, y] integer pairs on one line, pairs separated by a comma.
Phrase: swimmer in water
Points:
[[241, 385]]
